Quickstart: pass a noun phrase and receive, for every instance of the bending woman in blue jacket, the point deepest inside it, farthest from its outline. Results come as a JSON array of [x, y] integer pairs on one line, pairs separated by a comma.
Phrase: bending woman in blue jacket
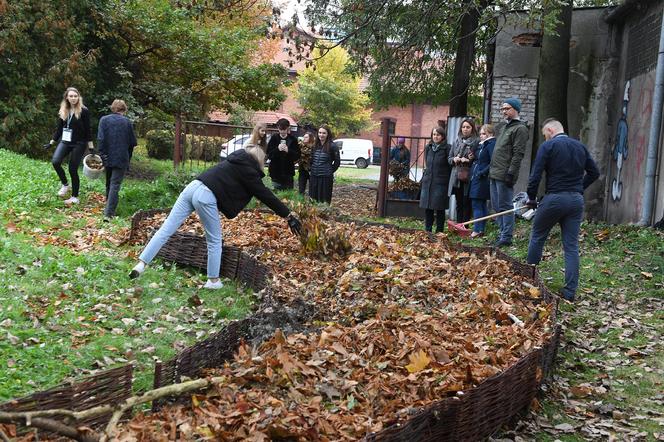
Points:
[[227, 188], [479, 178]]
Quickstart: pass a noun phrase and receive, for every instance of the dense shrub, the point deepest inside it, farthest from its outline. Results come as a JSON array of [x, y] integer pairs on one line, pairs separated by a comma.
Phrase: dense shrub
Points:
[[160, 144], [201, 147]]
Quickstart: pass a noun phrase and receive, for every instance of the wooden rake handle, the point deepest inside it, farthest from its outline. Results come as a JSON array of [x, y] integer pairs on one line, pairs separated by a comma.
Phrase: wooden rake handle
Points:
[[495, 215]]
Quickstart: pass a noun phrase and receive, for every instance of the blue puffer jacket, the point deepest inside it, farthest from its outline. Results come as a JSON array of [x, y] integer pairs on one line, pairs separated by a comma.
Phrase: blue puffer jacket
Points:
[[479, 174]]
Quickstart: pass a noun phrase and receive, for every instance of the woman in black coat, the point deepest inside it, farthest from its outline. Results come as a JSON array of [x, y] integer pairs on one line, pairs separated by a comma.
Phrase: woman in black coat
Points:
[[325, 160], [433, 194], [116, 141], [227, 188], [479, 178], [72, 133]]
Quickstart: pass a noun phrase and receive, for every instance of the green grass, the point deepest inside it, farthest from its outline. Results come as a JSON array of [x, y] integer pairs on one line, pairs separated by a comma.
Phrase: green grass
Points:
[[62, 312]]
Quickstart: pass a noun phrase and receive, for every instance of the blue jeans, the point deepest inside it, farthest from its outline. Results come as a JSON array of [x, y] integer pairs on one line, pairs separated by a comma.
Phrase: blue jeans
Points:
[[196, 196], [501, 200], [479, 210], [566, 209]]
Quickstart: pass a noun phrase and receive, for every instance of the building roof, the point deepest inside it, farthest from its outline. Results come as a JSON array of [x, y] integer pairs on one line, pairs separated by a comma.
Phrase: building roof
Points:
[[267, 117]]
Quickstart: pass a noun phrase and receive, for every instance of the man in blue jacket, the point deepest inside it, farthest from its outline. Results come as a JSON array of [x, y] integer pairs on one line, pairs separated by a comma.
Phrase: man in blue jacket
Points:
[[116, 141], [569, 171]]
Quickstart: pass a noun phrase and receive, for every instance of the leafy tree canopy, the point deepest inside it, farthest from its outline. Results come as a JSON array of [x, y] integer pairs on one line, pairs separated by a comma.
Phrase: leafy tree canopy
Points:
[[329, 94], [409, 49], [154, 54]]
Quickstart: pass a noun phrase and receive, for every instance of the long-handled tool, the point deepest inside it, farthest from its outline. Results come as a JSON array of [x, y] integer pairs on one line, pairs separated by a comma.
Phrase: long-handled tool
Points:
[[519, 203]]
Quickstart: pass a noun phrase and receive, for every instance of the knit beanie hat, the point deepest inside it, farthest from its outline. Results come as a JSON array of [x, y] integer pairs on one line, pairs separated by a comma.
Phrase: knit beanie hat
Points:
[[515, 103]]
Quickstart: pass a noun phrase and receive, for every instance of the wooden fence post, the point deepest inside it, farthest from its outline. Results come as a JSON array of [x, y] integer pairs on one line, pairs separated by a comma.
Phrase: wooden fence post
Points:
[[384, 166]]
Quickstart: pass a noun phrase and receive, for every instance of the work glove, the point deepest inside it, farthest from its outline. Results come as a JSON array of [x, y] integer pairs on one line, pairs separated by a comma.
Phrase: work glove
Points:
[[294, 224], [531, 204], [49, 144], [509, 180]]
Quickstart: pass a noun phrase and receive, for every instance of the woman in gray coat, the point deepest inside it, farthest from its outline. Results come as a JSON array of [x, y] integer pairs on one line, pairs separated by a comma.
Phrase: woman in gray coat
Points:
[[462, 155], [433, 195]]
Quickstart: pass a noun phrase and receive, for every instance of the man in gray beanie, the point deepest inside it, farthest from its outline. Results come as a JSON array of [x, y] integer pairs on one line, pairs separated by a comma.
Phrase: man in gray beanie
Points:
[[505, 164]]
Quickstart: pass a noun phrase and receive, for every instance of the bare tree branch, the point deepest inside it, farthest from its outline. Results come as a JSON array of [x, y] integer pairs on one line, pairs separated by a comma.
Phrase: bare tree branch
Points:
[[43, 419]]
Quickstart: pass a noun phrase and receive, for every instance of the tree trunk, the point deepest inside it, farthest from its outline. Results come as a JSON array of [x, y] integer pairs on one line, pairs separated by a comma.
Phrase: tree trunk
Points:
[[465, 56], [554, 69]]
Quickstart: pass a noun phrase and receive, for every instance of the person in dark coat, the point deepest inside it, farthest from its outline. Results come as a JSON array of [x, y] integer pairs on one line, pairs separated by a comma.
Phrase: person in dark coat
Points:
[[227, 188], [462, 155], [401, 154], [479, 178], [306, 146], [116, 141], [325, 160], [72, 133], [283, 152], [433, 194]]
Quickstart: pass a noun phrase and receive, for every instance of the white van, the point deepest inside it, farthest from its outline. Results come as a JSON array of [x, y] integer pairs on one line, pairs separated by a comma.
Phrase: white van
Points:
[[355, 151]]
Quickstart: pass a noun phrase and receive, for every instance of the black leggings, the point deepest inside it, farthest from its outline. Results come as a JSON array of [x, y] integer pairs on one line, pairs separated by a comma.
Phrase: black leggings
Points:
[[302, 178], [428, 220], [76, 150]]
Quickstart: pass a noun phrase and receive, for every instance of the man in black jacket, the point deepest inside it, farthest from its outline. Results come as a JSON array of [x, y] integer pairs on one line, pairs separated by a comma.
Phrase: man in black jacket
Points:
[[283, 151]]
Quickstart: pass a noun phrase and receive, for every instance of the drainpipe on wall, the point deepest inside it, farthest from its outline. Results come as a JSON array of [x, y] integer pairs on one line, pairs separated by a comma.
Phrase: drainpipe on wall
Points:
[[653, 140]]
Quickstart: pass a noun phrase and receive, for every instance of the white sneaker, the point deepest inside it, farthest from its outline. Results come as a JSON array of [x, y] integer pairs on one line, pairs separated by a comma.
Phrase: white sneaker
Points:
[[71, 201], [213, 285], [64, 190]]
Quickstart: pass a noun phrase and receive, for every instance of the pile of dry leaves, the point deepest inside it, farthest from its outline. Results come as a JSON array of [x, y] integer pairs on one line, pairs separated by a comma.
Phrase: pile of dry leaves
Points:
[[403, 320]]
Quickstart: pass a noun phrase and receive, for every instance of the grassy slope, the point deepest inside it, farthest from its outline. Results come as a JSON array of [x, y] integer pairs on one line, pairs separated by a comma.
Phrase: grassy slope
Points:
[[62, 311]]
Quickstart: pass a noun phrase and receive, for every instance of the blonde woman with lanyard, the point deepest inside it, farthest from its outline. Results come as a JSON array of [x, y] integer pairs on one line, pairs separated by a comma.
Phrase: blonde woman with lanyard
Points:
[[73, 132]]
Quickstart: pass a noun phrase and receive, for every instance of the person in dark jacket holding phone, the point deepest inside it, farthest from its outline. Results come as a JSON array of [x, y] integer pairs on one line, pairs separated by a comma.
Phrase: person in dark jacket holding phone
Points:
[[116, 141], [283, 151], [433, 187], [73, 133], [227, 188], [325, 160]]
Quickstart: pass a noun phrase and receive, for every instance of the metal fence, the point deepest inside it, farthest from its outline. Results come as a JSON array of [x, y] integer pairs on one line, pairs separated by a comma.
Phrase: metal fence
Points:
[[200, 144]]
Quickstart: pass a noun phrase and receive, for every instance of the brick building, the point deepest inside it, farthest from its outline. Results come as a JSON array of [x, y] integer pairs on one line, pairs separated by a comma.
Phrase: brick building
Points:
[[414, 120]]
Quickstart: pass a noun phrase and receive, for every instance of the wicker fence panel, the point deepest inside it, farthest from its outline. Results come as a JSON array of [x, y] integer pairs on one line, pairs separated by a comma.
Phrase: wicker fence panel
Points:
[[475, 414], [107, 387], [212, 352], [190, 249]]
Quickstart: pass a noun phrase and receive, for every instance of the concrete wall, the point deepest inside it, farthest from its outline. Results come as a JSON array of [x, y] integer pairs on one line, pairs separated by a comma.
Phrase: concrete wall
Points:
[[632, 108], [598, 63], [515, 74]]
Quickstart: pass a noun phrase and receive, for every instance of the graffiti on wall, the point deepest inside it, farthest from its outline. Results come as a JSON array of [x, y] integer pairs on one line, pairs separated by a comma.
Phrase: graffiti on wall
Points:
[[620, 148]]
